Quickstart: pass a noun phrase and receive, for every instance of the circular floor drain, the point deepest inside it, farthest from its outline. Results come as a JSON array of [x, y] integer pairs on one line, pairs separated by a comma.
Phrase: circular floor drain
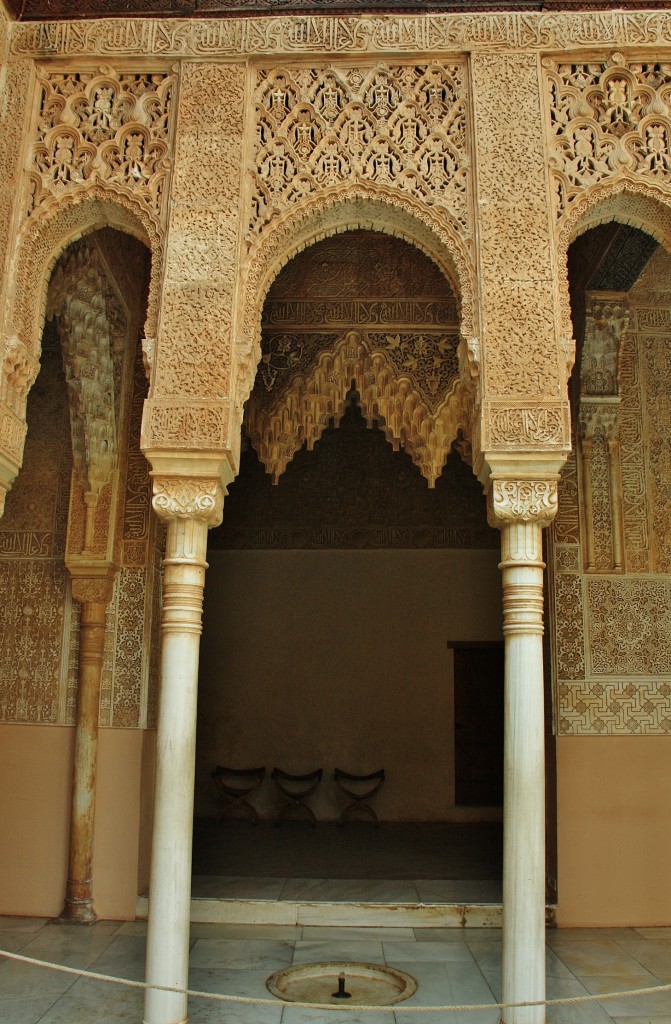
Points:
[[363, 984]]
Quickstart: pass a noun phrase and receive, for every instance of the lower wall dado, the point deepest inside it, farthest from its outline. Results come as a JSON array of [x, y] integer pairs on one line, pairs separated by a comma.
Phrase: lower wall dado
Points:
[[613, 831], [36, 772]]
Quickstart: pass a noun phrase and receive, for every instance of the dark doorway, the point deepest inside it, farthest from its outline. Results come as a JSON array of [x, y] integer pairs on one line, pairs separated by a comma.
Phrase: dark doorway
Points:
[[478, 724]]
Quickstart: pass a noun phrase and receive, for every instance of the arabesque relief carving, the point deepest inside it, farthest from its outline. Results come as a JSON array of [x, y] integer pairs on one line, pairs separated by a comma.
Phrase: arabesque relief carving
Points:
[[310, 34], [608, 118], [396, 126], [615, 708], [523, 354], [622, 649], [524, 501], [107, 126], [184, 498]]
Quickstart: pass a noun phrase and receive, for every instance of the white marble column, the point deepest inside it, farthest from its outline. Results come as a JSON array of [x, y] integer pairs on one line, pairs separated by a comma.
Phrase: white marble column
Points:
[[189, 506], [521, 508]]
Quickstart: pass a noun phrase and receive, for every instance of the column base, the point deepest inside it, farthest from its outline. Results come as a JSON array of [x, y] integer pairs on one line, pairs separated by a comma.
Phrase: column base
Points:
[[77, 911]]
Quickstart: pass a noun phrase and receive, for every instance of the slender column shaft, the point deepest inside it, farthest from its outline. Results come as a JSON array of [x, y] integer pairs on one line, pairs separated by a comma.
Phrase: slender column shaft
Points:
[[586, 467], [170, 885], [78, 906], [617, 519], [524, 773]]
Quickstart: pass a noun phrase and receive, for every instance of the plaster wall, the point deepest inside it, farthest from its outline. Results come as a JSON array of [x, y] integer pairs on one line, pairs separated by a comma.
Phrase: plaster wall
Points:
[[339, 659], [613, 831], [36, 769]]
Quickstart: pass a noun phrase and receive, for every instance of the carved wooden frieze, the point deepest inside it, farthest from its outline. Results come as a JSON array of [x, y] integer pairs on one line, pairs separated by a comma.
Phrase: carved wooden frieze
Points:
[[105, 126]]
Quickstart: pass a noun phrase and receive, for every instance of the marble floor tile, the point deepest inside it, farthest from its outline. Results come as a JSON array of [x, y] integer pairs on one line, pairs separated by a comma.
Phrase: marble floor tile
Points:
[[17, 979], [364, 951], [455, 934], [663, 934], [488, 954], [22, 924], [241, 954], [25, 1009], [562, 988], [600, 956], [449, 984], [132, 928], [349, 890], [14, 941], [459, 891], [300, 1015], [557, 936], [234, 983], [262, 932], [85, 1001], [426, 952], [652, 954], [236, 888], [651, 1006], [123, 958], [72, 948], [325, 934]]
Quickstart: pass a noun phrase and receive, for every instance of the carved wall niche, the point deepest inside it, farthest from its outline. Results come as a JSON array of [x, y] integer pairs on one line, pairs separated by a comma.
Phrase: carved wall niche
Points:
[[363, 309]]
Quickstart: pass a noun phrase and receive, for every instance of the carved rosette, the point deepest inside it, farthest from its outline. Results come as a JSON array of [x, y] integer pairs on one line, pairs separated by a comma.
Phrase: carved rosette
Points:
[[189, 498], [527, 501]]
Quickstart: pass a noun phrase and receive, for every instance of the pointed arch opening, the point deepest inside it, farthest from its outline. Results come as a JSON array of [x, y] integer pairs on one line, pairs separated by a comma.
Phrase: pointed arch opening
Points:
[[353, 567]]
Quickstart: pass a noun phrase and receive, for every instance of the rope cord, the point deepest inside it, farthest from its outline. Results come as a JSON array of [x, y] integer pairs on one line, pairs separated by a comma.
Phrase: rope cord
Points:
[[394, 1008]]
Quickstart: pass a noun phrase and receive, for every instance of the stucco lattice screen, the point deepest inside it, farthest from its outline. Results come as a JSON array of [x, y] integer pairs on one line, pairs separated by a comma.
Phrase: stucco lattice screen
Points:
[[399, 127], [103, 126], [607, 118]]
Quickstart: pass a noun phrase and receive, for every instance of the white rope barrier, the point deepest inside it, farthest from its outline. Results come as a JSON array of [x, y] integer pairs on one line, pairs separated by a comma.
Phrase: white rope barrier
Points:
[[394, 1008]]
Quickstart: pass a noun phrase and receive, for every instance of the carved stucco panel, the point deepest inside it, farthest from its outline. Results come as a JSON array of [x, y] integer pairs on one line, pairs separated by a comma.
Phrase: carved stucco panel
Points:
[[569, 626], [629, 626], [607, 119], [521, 353], [412, 33], [615, 708], [193, 352], [656, 362], [14, 102], [400, 126], [566, 527], [34, 599], [103, 126]]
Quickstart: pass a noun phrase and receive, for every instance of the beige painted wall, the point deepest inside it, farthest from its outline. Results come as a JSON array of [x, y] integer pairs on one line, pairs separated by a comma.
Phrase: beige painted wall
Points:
[[614, 831], [339, 658], [35, 775]]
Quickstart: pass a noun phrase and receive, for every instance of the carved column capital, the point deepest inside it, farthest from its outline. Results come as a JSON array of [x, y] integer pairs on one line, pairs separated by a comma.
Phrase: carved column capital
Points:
[[189, 498], [599, 418], [92, 584], [522, 501]]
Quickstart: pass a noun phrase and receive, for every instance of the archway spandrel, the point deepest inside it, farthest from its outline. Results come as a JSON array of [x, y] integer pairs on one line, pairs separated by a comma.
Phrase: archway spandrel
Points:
[[48, 233]]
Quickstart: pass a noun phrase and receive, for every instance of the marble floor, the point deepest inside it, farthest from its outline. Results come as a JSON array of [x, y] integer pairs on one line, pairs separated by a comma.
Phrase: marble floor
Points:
[[452, 966]]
